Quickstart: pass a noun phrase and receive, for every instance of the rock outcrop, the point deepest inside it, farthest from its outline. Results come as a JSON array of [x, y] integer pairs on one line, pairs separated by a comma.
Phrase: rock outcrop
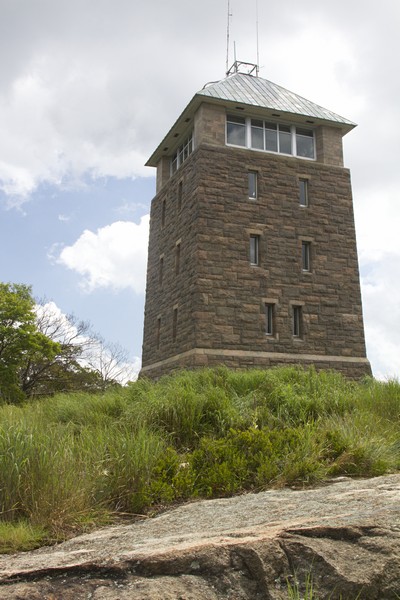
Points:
[[344, 536]]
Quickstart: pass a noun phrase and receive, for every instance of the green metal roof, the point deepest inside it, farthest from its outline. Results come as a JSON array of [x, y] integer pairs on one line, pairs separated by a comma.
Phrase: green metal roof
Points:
[[254, 91]]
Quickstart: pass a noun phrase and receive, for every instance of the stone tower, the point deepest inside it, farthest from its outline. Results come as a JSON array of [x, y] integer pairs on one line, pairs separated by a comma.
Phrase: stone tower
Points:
[[252, 251]]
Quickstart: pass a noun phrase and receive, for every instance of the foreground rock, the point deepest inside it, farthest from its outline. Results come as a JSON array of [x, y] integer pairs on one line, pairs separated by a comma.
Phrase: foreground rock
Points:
[[345, 534]]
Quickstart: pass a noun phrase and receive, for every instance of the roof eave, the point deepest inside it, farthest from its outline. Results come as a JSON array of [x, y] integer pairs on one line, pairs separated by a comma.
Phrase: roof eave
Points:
[[182, 123]]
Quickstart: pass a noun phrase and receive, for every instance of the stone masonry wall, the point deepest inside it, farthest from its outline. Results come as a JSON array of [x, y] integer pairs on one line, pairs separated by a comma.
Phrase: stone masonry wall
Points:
[[231, 294], [220, 298], [172, 221]]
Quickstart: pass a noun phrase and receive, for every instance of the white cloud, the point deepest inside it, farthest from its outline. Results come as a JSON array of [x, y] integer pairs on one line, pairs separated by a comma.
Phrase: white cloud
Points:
[[114, 257]]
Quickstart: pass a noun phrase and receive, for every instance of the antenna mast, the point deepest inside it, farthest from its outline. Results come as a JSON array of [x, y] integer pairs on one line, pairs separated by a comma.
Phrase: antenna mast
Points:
[[227, 38], [258, 52]]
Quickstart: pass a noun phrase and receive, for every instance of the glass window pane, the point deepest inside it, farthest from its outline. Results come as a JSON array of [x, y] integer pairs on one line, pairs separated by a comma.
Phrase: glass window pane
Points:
[[254, 249], [252, 185], [307, 132], [269, 321], [303, 192], [236, 134], [297, 321], [271, 140], [236, 119], [285, 142], [257, 138], [305, 146], [305, 256]]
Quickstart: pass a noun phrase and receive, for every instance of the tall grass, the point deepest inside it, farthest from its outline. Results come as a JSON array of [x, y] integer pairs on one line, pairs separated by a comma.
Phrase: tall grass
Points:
[[73, 461]]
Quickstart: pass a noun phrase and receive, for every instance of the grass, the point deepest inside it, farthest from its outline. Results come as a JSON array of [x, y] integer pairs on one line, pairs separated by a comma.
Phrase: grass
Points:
[[76, 461]]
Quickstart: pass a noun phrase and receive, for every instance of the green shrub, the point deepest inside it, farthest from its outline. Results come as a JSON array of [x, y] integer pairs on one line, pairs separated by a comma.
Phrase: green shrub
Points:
[[76, 460]]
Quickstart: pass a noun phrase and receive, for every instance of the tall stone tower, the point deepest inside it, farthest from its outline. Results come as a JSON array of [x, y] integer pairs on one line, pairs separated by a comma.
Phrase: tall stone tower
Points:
[[252, 251]]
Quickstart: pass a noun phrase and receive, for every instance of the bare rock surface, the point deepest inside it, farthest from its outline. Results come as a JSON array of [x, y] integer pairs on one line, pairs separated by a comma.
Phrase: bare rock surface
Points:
[[346, 534]]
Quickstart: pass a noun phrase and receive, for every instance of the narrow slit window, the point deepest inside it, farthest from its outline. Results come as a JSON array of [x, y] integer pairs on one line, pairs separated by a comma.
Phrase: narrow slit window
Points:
[[269, 319], [177, 258], [180, 195], [297, 321], [175, 324], [158, 332], [303, 192], [306, 256], [252, 178], [254, 249], [163, 211], [161, 270]]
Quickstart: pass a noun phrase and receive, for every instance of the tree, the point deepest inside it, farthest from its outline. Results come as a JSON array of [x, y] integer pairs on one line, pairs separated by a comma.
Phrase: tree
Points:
[[84, 360], [43, 351], [20, 339]]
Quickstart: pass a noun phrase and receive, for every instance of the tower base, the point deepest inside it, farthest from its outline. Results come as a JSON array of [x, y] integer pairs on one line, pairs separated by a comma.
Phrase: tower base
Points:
[[349, 366]]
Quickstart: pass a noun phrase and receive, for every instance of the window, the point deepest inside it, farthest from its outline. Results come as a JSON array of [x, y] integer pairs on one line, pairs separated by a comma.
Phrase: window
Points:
[[236, 130], [177, 257], [306, 256], [303, 192], [257, 134], [270, 137], [158, 332], [254, 250], [163, 211], [161, 270], [269, 318], [252, 177], [175, 323], [180, 195], [285, 139], [297, 321], [182, 153], [304, 142]]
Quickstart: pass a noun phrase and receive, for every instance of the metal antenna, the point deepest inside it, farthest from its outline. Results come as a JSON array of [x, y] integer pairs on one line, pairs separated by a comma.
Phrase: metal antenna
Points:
[[227, 38], [258, 52]]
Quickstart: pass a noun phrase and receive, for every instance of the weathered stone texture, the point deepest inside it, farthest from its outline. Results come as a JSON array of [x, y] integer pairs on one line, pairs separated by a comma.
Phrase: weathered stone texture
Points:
[[344, 536], [219, 294], [329, 145]]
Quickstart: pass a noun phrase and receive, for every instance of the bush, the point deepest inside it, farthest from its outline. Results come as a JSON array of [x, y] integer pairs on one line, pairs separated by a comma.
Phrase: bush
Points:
[[73, 461]]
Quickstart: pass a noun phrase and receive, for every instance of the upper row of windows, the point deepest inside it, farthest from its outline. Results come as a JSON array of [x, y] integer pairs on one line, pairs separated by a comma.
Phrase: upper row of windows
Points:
[[258, 135], [270, 137], [182, 153]]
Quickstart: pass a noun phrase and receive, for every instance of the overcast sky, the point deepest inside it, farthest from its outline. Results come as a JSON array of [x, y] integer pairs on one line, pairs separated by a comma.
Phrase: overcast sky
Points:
[[88, 88]]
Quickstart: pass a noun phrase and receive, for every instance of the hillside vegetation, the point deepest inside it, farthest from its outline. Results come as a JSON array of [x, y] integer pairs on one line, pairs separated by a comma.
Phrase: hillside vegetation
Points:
[[75, 461]]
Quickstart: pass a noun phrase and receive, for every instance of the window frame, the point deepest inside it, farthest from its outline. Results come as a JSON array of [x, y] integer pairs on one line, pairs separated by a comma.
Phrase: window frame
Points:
[[269, 311], [254, 252], [158, 332], [252, 179], [163, 211], [161, 270], [304, 200], [179, 194], [174, 323], [281, 129], [182, 153], [306, 256], [297, 321], [178, 257]]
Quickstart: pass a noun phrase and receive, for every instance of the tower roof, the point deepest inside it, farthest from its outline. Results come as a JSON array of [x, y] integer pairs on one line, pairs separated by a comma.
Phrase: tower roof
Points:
[[256, 94], [254, 91]]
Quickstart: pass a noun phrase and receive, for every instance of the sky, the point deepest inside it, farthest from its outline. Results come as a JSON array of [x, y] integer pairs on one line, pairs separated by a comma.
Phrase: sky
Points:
[[88, 88]]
